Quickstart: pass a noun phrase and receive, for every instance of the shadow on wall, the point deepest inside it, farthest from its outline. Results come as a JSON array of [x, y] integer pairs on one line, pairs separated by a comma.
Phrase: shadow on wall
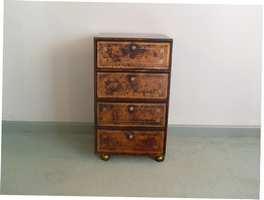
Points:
[[73, 80]]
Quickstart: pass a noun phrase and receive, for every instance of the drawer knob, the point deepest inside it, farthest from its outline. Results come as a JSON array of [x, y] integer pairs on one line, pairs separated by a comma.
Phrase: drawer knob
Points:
[[132, 78], [131, 108], [130, 135], [104, 108], [133, 47]]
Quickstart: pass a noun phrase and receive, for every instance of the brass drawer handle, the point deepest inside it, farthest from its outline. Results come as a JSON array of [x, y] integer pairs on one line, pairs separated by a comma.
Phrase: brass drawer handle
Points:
[[136, 48], [132, 50]]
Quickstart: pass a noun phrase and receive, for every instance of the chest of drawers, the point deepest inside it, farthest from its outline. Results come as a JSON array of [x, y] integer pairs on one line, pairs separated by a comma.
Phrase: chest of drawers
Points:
[[132, 82]]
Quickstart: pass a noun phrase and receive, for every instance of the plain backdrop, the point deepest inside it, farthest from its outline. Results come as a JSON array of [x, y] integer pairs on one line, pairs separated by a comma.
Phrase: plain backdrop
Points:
[[48, 59]]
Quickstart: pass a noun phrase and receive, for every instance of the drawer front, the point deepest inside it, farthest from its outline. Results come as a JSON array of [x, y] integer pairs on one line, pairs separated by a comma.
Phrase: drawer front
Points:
[[131, 114], [123, 54], [122, 141], [132, 85]]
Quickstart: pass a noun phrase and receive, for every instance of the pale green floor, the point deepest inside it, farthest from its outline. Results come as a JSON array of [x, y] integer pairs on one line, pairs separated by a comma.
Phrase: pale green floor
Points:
[[60, 160]]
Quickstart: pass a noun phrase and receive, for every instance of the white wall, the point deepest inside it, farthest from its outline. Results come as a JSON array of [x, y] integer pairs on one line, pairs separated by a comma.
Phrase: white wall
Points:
[[48, 59]]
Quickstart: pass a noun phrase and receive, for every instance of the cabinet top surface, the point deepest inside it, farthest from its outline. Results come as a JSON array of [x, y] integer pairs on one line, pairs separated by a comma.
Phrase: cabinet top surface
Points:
[[135, 36]]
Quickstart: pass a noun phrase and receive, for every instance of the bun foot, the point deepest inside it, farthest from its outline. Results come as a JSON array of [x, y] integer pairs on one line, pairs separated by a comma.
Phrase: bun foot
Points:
[[105, 157], [159, 158]]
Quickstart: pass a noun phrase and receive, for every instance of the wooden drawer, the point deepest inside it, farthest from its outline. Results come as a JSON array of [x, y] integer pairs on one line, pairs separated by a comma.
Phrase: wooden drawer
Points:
[[128, 141], [133, 54], [131, 114], [132, 85]]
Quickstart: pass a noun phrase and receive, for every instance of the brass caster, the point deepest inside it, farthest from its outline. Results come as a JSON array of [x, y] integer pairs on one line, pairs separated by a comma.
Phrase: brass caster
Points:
[[105, 157], [159, 158]]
